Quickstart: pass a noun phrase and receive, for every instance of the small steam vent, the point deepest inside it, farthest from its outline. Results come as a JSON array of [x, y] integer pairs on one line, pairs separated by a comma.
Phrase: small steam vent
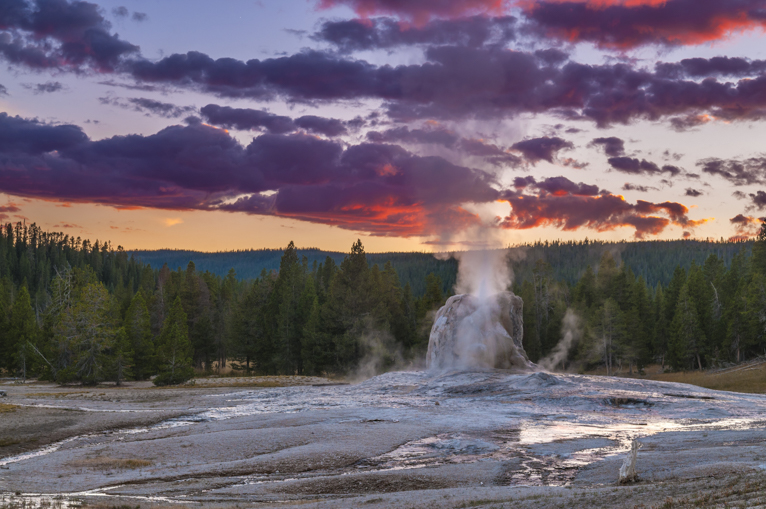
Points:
[[470, 332]]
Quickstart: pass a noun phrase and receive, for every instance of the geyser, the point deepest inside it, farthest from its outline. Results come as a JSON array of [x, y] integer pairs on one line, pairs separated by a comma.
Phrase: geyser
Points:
[[475, 332]]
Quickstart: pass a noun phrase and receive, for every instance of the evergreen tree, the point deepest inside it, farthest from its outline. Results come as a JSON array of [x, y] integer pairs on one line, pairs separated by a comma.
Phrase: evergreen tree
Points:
[[138, 331], [121, 358], [22, 334], [174, 348], [687, 336]]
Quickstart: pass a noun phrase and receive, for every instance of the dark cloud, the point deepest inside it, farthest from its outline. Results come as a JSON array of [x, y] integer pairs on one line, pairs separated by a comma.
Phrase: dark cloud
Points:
[[3, 90], [459, 82], [149, 106], [694, 193], [22, 136], [386, 33], [377, 188], [758, 200], [636, 187], [381, 189], [742, 220], [738, 172], [139, 17], [618, 24], [601, 211], [419, 11], [709, 67], [746, 227], [45, 88], [612, 146], [59, 34], [641, 167], [542, 149], [321, 125], [558, 186], [161, 109], [246, 119], [120, 12]]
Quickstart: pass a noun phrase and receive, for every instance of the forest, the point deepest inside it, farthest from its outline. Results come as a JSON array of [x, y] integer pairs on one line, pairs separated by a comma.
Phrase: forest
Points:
[[80, 312]]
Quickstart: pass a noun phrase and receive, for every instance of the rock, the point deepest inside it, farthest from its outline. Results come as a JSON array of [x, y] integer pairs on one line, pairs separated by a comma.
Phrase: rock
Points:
[[469, 332], [628, 469], [3, 394]]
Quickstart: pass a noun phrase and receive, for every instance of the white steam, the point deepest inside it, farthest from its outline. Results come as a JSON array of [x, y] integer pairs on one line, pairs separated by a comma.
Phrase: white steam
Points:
[[483, 273], [571, 331]]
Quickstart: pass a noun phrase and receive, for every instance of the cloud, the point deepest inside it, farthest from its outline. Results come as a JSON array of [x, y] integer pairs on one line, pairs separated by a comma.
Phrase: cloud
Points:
[[386, 33], [758, 199], [612, 146], [694, 193], [541, 149], [60, 34], [381, 189], [738, 172], [622, 25], [746, 227], [44, 88], [246, 119], [139, 17], [636, 187], [641, 167], [149, 106], [721, 66], [572, 207], [3, 90], [463, 82], [172, 221], [21, 136], [449, 139], [419, 11]]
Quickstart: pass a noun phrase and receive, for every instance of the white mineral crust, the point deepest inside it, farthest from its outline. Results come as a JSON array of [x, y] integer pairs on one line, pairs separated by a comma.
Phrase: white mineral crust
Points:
[[470, 332]]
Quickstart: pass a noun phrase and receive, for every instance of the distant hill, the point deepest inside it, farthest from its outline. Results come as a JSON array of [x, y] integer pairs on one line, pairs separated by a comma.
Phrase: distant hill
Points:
[[654, 260]]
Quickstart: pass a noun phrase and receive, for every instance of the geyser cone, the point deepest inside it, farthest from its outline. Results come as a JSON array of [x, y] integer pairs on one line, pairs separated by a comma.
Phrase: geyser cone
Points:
[[470, 332]]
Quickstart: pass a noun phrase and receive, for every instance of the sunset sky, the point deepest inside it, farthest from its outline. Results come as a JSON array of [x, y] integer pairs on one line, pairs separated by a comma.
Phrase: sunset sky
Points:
[[411, 124]]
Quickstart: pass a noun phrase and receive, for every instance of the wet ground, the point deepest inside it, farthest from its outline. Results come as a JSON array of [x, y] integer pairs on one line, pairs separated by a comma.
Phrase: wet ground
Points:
[[408, 439]]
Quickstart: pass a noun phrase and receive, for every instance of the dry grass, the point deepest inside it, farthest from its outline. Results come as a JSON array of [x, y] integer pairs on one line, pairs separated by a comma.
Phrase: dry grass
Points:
[[750, 380], [107, 463], [5, 442], [5, 408]]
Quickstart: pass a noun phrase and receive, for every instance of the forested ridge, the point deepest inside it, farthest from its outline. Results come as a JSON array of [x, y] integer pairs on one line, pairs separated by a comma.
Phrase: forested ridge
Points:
[[654, 260], [77, 311]]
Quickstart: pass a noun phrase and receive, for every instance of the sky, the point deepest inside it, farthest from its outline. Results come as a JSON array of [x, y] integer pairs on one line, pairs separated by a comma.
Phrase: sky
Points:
[[414, 125]]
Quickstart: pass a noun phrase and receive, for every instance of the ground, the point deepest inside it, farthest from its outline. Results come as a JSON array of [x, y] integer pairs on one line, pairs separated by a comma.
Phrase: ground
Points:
[[407, 439]]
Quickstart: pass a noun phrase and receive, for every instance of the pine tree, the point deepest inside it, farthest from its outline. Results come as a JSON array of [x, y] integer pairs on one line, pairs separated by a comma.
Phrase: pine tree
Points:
[[121, 358], [138, 330], [687, 336], [22, 333], [174, 348]]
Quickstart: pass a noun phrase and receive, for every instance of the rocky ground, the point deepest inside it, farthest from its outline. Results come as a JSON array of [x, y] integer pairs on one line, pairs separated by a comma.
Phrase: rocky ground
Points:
[[409, 439]]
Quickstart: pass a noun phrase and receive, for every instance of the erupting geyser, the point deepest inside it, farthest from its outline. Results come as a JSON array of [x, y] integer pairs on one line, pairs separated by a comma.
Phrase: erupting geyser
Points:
[[475, 332]]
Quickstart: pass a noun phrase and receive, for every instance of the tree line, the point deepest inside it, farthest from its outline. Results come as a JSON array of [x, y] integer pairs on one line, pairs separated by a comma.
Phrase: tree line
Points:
[[73, 311], [708, 315], [76, 311]]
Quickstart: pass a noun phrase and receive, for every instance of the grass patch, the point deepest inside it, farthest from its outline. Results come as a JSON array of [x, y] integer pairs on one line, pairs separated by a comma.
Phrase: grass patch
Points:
[[106, 463], [747, 380], [5, 442], [5, 408]]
